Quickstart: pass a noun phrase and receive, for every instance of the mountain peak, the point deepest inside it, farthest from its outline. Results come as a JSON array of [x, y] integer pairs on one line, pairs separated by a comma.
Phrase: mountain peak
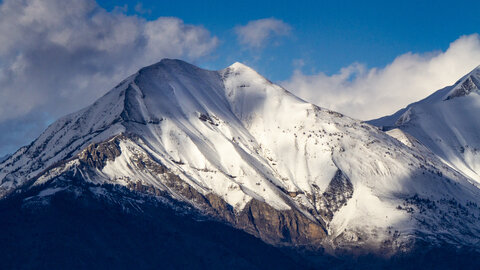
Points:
[[242, 68], [168, 64], [238, 65], [243, 74]]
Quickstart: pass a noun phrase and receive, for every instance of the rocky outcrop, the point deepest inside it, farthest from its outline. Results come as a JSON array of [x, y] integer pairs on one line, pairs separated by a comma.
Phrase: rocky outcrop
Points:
[[278, 227], [338, 192], [96, 155], [287, 227], [470, 84]]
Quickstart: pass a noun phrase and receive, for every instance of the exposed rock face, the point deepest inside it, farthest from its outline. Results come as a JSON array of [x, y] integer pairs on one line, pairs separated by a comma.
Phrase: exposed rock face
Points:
[[289, 227], [285, 228], [278, 227], [96, 155]]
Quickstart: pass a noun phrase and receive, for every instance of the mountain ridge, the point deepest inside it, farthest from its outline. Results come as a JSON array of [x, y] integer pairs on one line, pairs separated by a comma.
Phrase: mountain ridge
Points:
[[444, 123], [247, 152]]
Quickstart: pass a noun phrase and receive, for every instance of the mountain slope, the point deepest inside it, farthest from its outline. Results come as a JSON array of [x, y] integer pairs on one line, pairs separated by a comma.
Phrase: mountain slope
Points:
[[244, 151], [446, 122]]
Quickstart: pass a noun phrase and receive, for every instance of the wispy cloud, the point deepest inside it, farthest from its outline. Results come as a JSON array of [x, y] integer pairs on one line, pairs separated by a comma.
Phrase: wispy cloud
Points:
[[57, 56], [257, 33], [369, 93], [141, 10]]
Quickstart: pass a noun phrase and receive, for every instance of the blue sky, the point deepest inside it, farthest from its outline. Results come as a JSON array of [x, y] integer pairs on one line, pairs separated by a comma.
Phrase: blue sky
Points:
[[327, 35], [365, 59]]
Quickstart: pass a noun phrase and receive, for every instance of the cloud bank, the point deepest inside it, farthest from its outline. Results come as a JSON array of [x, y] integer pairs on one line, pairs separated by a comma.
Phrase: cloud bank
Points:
[[257, 33], [57, 56], [370, 93]]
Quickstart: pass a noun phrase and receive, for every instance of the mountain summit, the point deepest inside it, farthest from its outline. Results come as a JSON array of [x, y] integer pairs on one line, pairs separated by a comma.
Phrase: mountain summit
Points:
[[240, 150]]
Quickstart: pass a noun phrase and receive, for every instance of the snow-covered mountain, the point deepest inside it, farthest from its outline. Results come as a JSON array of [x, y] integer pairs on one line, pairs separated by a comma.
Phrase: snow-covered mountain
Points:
[[245, 151], [447, 123]]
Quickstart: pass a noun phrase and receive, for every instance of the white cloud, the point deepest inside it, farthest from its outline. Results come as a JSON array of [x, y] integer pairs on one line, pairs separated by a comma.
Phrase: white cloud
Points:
[[369, 93], [57, 56], [140, 10], [257, 33]]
